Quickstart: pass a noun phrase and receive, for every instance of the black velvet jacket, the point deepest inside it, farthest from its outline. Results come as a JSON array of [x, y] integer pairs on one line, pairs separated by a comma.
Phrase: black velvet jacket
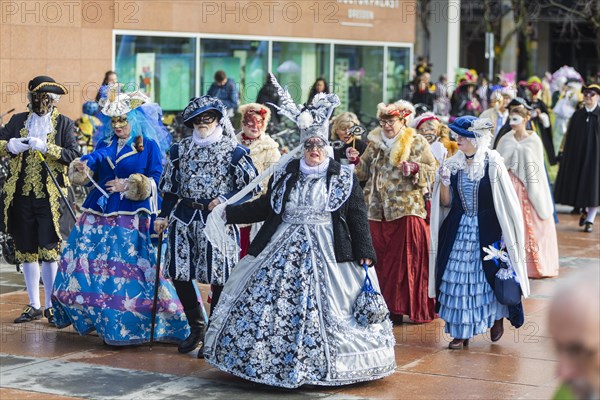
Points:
[[351, 235]]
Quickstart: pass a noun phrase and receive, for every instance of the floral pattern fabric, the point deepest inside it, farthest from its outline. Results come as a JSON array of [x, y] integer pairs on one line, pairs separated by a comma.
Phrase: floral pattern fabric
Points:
[[105, 282], [202, 173], [285, 317]]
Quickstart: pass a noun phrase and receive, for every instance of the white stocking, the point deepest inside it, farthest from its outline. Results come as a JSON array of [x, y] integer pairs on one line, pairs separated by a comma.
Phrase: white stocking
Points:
[[49, 270], [591, 214], [31, 272]]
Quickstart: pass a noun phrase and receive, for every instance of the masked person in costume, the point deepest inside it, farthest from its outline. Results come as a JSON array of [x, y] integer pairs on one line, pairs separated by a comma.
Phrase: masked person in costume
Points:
[[30, 200], [437, 134], [264, 152], [398, 165], [203, 171], [523, 154], [108, 267], [474, 205], [285, 315], [346, 131], [578, 179]]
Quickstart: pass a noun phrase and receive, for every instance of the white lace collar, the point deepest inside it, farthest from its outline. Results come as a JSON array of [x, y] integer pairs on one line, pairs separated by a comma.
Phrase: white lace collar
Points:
[[318, 170], [39, 127], [476, 169]]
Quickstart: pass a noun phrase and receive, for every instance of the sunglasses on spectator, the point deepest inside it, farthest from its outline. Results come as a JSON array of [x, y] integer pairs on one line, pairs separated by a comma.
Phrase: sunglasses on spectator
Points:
[[589, 93]]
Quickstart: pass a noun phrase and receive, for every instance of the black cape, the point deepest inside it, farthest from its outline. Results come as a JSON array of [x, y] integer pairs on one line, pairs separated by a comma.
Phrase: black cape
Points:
[[578, 180]]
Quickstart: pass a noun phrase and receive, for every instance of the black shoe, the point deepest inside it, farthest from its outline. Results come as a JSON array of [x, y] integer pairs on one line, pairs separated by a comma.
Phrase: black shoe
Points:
[[49, 313], [197, 330], [458, 344], [575, 211], [397, 319], [29, 314], [201, 351], [582, 218], [588, 227], [497, 330]]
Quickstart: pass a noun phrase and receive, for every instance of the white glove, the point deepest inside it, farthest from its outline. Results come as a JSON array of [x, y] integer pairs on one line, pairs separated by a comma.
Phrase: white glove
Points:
[[38, 144], [545, 120], [444, 173], [17, 145]]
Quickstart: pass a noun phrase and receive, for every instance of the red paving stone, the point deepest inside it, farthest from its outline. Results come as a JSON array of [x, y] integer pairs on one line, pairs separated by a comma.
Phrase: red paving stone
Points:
[[520, 365]]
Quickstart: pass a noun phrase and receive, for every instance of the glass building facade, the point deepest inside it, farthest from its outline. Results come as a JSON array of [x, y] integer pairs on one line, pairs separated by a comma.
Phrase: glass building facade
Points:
[[174, 68]]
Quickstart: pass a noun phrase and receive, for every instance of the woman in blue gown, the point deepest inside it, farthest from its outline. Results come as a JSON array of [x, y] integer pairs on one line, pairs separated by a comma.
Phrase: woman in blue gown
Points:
[[106, 276], [483, 209]]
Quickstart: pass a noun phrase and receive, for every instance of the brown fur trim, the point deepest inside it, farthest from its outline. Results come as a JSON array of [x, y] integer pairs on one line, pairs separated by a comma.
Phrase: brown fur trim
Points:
[[78, 178], [138, 187], [139, 144]]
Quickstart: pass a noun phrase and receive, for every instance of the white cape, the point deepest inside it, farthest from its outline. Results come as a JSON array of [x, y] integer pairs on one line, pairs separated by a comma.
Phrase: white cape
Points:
[[525, 159]]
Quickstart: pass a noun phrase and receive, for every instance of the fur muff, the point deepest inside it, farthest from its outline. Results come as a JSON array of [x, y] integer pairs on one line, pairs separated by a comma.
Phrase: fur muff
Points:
[[139, 187], [76, 177]]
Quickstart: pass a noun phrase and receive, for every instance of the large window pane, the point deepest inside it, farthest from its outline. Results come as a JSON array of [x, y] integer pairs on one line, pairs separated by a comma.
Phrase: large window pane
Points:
[[298, 65], [162, 67], [358, 73], [244, 61], [398, 72]]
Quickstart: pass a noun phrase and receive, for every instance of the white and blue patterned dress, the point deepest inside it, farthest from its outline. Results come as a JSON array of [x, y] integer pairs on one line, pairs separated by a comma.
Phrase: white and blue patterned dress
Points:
[[285, 317], [467, 301]]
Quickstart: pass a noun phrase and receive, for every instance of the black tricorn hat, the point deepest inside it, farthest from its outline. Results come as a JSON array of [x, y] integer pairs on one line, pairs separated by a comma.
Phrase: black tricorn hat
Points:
[[46, 84], [519, 101], [592, 86]]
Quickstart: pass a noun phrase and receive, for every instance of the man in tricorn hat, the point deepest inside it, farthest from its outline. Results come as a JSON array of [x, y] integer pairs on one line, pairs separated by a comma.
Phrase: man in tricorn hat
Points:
[[29, 203]]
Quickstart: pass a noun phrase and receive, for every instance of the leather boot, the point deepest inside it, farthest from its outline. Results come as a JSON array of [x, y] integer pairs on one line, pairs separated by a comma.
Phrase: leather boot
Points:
[[497, 330], [197, 330]]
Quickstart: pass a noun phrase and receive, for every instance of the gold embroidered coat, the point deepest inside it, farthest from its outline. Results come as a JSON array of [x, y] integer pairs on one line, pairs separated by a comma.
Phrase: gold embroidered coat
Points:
[[62, 149]]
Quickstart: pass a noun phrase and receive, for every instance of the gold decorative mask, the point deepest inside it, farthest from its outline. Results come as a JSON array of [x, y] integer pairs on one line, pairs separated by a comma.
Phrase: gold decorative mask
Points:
[[119, 122]]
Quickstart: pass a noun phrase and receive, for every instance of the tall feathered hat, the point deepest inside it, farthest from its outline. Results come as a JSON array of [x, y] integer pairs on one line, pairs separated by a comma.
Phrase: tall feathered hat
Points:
[[117, 103], [312, 120]]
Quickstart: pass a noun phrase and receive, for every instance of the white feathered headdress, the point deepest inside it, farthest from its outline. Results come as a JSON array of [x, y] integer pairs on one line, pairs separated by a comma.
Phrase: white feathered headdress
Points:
[[312, 120]]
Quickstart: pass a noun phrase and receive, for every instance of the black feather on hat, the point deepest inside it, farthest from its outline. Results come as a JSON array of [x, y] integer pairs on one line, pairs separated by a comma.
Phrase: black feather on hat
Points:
[[45, 84]]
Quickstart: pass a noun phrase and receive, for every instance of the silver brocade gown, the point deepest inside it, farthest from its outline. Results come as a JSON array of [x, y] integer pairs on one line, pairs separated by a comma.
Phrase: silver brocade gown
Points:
[[285, 317]]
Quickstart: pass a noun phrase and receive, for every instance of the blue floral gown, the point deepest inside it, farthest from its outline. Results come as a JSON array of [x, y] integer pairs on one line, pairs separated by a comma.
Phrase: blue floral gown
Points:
[[466, 300], [285, 317], [105, 279]]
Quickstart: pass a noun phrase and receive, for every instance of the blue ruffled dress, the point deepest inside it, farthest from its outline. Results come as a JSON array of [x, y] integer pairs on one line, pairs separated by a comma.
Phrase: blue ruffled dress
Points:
[[466, 300]]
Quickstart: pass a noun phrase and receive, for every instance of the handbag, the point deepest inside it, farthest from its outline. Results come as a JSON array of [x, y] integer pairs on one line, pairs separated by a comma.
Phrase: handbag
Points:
[[369, 307], [507, 288]]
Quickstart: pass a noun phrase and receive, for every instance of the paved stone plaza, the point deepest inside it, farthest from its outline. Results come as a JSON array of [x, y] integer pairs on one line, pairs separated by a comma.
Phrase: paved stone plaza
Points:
[[40, 362]]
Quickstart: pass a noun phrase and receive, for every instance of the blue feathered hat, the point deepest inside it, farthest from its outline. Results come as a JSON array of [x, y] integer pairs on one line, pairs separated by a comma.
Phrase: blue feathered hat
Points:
[[470, 126]]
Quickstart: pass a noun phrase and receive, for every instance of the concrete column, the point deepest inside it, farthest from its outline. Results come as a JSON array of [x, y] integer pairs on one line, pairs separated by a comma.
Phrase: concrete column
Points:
[[508, 62], [543, 51], [444, 24]]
